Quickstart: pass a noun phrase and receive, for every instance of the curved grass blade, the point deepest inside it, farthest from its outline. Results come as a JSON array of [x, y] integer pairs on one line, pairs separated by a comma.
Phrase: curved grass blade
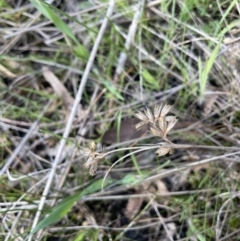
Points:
[[66, 204], [60, 24]]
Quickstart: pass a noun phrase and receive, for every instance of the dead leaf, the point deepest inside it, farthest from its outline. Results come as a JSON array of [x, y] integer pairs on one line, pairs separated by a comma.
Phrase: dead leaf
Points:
[[58, 87], [161, 187], [63, 93], [127, 132], [133, 207], [208, 104]]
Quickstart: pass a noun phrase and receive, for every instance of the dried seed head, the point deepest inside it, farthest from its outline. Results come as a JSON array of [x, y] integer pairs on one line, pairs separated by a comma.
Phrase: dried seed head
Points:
[[170, 118], [149, 115], [162, 124], [92, 164], [156, 132], [92, 145], [165, 110], [93, 158], [144, 120], [90, 161], [93, 169], [90, 150], [141, 116], [170, 125], [157, 111], [140, 125], [162, 151]]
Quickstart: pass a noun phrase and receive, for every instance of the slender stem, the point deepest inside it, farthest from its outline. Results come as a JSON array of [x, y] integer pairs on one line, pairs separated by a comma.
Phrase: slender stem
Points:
[[174, 146]]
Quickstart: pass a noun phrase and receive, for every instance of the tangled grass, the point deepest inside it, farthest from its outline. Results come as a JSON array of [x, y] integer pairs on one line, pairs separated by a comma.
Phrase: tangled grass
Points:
[[75, 76]]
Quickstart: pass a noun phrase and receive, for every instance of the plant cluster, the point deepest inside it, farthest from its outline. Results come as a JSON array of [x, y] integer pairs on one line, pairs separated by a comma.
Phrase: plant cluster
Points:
[[160, 125]]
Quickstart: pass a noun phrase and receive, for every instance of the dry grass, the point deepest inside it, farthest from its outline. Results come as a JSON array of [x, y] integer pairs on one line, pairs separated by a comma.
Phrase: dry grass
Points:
[[78, 83]]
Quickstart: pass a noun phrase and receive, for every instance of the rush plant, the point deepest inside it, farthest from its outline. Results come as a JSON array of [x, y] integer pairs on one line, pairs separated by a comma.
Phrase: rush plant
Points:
[[159, 123]]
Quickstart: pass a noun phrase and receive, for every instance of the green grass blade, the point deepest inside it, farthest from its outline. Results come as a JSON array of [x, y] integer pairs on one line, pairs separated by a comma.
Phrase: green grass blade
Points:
[[64, 207], [60, 24], [152, 82], [207, 69], [226, 13], [119, 118], [71, 18]]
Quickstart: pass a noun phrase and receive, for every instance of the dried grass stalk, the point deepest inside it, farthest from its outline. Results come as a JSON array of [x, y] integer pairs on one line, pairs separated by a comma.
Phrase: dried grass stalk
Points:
[[160, 126]]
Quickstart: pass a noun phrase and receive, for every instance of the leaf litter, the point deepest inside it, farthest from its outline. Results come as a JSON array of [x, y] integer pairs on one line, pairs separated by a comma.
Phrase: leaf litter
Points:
[[172, 206]]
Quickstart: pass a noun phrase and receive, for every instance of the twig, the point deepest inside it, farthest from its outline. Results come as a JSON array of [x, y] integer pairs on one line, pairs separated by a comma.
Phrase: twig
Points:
[[179, 169], [140, 54], [72, 114], [131, 34]]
